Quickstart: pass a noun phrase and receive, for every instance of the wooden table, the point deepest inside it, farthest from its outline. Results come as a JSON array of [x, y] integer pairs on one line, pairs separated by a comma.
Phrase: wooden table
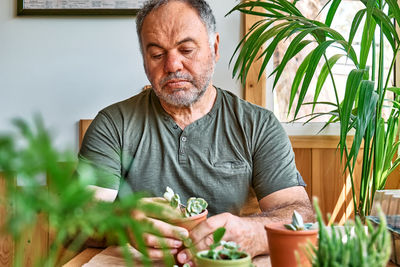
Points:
[[88, 256]]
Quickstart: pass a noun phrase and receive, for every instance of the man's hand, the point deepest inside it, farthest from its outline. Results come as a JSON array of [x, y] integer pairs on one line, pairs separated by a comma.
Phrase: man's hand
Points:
[[249, 232], [246, 232], [163, 235]]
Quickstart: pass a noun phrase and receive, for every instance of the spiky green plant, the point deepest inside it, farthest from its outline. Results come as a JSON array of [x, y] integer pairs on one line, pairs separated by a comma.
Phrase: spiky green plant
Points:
[[356, 246], [72, 212], [364, 99]]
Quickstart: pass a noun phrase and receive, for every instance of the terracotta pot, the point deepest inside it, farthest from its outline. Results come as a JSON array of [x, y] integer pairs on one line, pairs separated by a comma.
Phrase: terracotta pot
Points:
[[205, 262], [283, 243], [190, 222]]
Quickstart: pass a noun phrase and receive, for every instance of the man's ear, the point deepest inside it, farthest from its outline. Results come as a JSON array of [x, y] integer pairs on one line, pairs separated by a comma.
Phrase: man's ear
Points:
[[216, 46]]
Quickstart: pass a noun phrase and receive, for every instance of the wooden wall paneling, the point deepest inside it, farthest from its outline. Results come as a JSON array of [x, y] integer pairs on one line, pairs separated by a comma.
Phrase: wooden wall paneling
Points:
[[6, 241], [254, 89], [304, 166], [83, 126], [393, 181], [328, 182], [317, 141], [34, 243]]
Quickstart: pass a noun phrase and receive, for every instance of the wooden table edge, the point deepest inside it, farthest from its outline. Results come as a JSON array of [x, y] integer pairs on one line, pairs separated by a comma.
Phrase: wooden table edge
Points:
[[83, 257], [86, 255]]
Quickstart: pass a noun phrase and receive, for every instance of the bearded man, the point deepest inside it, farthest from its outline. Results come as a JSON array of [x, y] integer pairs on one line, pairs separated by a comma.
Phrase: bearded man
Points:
[[198, 139]]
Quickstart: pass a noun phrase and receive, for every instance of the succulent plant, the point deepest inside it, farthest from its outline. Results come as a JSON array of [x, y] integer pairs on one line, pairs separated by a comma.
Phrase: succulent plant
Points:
[[174, 199], [359, 244], [193, 206], [222, 250], [298, 223]]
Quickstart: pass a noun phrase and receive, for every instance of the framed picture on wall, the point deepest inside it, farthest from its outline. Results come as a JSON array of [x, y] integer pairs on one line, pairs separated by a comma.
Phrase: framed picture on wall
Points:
[[78, 7]]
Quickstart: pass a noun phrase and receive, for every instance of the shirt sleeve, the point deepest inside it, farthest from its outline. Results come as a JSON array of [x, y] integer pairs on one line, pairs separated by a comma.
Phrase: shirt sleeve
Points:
[[274, 166], [101, 150]]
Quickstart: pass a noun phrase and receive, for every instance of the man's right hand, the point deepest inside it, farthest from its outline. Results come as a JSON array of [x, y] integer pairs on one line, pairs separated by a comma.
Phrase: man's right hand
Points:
[[165, 235]]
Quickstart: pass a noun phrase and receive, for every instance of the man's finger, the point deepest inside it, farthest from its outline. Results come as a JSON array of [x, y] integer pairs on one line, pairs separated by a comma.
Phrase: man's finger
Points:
[[184, 256], [168, 230], [160, 242], [200, 235], [158, 254]]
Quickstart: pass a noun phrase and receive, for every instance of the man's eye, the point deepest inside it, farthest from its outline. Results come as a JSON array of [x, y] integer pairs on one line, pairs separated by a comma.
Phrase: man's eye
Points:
[[156, 56], [186, 51]]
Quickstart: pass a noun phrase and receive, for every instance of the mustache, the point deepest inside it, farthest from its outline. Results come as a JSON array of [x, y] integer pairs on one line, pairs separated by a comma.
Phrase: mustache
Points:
[[176, 75]]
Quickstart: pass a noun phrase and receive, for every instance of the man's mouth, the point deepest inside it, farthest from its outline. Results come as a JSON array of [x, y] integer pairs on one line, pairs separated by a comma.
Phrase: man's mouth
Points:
[[176, 82]]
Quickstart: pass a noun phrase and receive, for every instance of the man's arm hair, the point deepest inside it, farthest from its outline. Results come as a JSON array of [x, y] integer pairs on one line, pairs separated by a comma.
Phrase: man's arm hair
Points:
[[284, 211]]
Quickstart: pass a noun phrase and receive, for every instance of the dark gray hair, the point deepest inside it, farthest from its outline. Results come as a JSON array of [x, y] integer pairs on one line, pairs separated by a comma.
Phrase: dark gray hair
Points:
[[202, 8]]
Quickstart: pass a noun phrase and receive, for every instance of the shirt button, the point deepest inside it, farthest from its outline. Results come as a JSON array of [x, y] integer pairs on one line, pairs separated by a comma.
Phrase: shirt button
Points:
[[183, 138], [165, 118], [181, 150]]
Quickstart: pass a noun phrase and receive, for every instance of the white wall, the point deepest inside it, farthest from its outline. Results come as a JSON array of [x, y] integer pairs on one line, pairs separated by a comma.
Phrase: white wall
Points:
[[68, 68]]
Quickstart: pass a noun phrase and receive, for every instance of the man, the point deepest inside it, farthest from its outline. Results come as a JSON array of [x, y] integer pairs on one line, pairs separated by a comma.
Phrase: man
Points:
[[198, 139]]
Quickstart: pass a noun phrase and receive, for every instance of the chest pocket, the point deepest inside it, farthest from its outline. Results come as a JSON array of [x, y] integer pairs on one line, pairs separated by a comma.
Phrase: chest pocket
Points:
[[231, 167]]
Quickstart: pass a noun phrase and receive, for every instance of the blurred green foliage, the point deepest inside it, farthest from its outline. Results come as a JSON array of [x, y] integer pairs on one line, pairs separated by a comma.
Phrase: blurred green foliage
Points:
[[64, 198]]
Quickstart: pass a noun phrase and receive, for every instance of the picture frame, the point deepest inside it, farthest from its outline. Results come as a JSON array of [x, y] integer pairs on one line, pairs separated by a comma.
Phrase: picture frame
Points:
[[78, 7]]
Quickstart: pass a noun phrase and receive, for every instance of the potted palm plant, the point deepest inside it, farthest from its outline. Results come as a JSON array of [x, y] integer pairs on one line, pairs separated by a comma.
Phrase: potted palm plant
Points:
[[361, 108]]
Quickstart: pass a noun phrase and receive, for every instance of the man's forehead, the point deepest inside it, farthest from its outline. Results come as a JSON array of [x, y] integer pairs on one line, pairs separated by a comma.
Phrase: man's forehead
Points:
[[175, 20]]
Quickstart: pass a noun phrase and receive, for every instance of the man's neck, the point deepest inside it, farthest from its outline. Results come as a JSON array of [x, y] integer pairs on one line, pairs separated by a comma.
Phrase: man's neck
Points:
[[183, 116]]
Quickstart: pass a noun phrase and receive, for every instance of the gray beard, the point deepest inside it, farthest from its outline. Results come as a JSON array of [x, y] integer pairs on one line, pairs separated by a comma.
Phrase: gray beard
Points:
[[192, 96]]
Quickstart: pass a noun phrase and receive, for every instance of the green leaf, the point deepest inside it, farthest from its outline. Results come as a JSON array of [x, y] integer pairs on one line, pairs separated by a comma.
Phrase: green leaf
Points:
[[355, 24], [352, 87], [394, 8], [365, 117], [368, 34], [332, 11], [312, 65], [388, 28], [219, 234], [324, 74], [294, 48], [269, 51], [297, 79], [395, 90]]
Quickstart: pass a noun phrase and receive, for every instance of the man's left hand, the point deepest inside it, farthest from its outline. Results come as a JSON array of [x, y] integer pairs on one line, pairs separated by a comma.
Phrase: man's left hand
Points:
[[248, 233]]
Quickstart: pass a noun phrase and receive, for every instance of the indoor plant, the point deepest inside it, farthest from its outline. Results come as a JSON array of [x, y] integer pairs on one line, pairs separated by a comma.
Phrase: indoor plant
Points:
[[222, 253], [194, 212], [362, 106], [355, 245], [287, 240], [61, 203]]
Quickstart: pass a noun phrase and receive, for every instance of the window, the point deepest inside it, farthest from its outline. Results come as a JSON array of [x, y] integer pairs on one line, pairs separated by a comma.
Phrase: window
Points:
[[341, 23]]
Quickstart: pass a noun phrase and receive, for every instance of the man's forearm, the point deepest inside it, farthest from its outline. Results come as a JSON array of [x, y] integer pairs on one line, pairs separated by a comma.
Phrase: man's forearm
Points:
[[255, 241]]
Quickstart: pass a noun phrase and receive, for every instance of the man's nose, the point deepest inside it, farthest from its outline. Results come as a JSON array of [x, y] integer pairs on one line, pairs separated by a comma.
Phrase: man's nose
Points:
[[173, 63]]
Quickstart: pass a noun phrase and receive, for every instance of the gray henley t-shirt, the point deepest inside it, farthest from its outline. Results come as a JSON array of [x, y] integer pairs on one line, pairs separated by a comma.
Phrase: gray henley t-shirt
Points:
[[219, 157]]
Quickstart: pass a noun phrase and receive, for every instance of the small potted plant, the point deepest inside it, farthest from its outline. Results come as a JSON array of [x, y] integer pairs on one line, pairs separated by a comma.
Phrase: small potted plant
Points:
[[222, 253], [287, 242], [193, 213], [356, 244]]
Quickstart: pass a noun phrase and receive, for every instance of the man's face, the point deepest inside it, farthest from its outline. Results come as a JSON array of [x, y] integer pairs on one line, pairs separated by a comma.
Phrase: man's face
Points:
[[178, 59]]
